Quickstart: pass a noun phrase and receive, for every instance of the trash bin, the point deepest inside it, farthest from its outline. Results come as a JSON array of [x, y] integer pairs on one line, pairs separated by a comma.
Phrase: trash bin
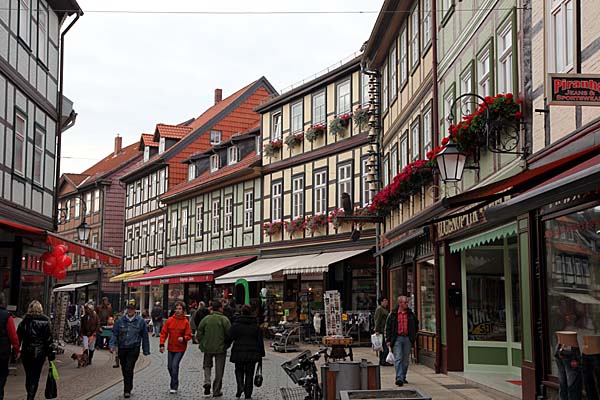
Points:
[[348, 375], [397, 394]]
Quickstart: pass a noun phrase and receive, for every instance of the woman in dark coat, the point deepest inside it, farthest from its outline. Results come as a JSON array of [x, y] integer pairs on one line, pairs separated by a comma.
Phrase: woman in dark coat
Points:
[[248, 349], [35, 336]]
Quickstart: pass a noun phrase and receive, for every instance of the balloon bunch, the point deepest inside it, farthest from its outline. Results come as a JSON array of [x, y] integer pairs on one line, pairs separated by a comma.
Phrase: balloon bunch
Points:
[[56, 262]]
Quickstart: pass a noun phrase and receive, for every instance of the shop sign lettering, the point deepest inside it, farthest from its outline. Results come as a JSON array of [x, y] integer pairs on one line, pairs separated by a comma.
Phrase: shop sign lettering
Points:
[[574, 90], [449, 226], [570, 201]]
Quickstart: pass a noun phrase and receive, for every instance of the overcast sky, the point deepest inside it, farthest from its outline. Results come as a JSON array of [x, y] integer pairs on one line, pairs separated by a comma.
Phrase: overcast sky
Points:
[[126, 72]]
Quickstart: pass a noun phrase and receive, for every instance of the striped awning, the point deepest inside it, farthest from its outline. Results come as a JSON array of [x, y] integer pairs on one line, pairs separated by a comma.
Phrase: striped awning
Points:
[[483, 238]]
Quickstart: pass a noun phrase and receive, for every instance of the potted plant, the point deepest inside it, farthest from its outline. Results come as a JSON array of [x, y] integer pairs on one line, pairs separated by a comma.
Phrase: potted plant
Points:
[[272, 148], [294, 139], [338, 125], [315, 132], [296, 225], [334, 218], [316, 222], [272, 228], [361, 117]]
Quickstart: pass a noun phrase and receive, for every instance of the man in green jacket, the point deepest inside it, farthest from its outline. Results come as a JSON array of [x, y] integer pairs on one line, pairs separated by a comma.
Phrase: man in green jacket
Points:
[[212, 336], [381, 315]]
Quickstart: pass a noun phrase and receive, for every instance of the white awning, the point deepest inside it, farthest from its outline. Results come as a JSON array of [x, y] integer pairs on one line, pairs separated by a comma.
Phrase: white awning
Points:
[[72, 286], [261, 270], [321, 262]]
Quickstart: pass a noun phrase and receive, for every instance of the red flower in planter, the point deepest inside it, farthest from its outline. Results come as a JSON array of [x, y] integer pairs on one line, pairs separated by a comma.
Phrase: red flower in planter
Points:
[[509, 96], [518, 115], [445, 141]]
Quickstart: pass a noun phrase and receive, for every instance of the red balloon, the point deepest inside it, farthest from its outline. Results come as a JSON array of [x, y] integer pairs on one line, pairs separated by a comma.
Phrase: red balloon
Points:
[[61, 273], [59, 250], [63, 261], [48, 263], [68, 261]]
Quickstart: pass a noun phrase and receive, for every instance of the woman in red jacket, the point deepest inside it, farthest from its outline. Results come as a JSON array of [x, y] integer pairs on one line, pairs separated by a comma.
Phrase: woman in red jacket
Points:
[[177, 329]]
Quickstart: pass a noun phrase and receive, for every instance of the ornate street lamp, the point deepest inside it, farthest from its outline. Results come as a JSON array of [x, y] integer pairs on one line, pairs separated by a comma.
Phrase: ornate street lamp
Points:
[[83, 231], [147, 267], [451, 163]]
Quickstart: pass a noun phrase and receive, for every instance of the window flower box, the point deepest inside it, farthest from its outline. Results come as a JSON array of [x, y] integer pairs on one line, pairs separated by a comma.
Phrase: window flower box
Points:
[[272, 148], [314, 132], [296, 225], [361, 117], [339, 124], [334, 219], [316, 223], [294, 139], [272, 228]]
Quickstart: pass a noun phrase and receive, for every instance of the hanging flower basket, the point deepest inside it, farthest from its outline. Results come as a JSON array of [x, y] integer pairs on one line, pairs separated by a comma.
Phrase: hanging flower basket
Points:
[[334, 218], [272, 148], [361, 117], [338, 125], [363, 211], [272, 228], [316, 223], [296, 225], [294, 139], [315, 132]]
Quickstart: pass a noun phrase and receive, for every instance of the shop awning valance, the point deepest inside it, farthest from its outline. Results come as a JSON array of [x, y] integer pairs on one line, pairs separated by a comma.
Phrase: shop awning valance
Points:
[[483, 238], [581, 298], [201, 271], [320, 263], [127, 275], [261, 270], [83, 250], [72, 287]]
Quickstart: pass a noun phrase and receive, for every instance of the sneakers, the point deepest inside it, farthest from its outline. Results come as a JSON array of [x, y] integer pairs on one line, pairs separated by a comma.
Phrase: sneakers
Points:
[[173, 391], [207, 389]]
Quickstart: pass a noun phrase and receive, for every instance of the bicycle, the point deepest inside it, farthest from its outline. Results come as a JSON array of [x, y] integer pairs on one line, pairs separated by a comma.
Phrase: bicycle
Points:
[[304, 373], [71, 333]]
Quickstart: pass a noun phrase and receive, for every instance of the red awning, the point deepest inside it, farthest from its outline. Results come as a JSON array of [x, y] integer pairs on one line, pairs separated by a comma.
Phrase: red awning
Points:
[[201, 271], [21, 227], [54, 239]]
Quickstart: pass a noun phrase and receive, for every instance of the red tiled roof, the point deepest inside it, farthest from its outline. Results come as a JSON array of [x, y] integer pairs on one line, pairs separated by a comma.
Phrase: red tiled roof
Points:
[[148, 140], [171, 131], [208, 177], [112, 162], [76, 179]]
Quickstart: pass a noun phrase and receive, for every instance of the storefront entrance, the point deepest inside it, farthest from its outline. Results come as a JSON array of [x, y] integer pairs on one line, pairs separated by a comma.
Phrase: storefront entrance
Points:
[[491, 300]]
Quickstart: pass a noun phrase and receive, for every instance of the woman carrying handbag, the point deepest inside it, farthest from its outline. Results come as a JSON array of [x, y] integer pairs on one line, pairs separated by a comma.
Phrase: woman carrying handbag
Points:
[[248, 349]]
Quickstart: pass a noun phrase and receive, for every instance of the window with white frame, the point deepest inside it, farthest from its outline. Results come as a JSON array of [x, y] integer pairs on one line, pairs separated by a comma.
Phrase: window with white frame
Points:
[[214, 162], [319, 115], [68, 210], [24, 21], [88, 203], [484, 76], [146, 153], [215, 137], [161, 145], [404, 151], [248, 209], [138, 193], [415, 134], [232, 155], [364, 90], [393, 163], [191, 171], [427, 131], [161, 235], [386, 170], [228, 225], [344, 181], [43, 35], [427, 27], [96, 200], [367, 195], [344, 103], [505, 60], [146, 185], [466, 86], [136, 242], [276, 197], [561, 35], [448, 111], [384, 88], [38, 155], [447, 5], [77, 207], [174, 226], [184, 224], [128, 244], [393, 65], [320, 190], [415, 49], [162, 181], [144, 238], [152, 237], [403, 59], [276, 126], [216, 216], [297, 124], [199, 221], [257, 144], [131, 196], [297, 197], [19, 145]]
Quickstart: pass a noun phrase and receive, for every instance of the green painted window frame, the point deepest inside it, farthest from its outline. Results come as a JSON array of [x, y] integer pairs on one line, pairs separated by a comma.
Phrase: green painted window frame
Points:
[[487, 47], [446, 112], [510, 19]]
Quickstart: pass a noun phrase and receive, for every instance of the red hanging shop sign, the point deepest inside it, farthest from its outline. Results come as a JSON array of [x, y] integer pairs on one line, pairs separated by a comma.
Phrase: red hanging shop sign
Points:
[[574, 90]]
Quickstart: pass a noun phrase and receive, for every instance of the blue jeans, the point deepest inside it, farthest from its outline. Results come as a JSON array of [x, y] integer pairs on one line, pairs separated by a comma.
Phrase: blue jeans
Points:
[[383, 353], [173, 366], [568, 361], [401, 350], [157, 327]]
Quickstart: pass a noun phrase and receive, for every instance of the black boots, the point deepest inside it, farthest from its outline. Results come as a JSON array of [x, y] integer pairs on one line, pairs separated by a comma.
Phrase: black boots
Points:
[[90, 356]]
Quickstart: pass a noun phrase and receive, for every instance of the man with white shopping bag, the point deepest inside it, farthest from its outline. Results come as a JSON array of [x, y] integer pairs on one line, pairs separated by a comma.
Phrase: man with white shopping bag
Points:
[[381, 315], [400, 334]]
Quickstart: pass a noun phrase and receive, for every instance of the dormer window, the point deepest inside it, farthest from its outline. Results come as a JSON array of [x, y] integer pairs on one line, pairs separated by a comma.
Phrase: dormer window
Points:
[[232, 155], [276, 126], [161, 145], [146, 153], [215, 137], [191, 171], [214, 162]]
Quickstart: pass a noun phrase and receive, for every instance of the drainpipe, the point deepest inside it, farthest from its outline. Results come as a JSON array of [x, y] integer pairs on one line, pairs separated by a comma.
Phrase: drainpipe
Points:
[[59, 121]]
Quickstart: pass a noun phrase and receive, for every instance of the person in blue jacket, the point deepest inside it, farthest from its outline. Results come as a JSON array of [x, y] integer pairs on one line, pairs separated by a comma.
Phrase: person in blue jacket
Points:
[[129, 332]]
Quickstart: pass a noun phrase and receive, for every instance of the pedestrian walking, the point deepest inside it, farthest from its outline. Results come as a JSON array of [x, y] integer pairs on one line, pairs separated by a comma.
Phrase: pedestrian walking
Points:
[[35, 336], [248, 349], [90, 325], [104, 311], [177, 330], [129, 332], [157, 318], [8, 339], [381, 315], [202, 312], [400, 334], [212, 336]]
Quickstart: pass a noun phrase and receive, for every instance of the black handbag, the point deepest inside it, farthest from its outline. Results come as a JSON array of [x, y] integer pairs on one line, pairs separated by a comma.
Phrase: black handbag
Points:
[[51, 391], [258, 378]]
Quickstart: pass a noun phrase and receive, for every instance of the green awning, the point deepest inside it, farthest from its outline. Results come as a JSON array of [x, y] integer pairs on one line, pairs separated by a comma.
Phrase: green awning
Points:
[[483, 238]]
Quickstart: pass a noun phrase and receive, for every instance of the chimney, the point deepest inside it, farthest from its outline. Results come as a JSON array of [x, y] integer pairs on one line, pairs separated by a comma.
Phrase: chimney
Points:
[[118, 144], [218, 95]]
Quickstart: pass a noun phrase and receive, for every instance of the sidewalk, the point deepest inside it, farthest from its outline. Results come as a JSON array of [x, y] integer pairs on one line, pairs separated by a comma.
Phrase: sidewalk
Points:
[[438, 386], [73, 382]]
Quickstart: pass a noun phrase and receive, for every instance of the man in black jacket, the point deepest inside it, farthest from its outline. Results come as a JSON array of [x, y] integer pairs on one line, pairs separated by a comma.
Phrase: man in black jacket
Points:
[[400, 334]]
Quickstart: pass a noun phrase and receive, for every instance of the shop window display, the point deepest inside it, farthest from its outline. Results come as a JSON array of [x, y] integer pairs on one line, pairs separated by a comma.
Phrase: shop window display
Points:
[[363, 289], [427, 297], [573, 275]]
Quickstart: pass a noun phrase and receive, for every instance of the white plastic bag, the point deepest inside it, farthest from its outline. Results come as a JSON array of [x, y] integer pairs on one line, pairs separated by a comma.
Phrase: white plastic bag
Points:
[[377, 341], [390, 358]]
